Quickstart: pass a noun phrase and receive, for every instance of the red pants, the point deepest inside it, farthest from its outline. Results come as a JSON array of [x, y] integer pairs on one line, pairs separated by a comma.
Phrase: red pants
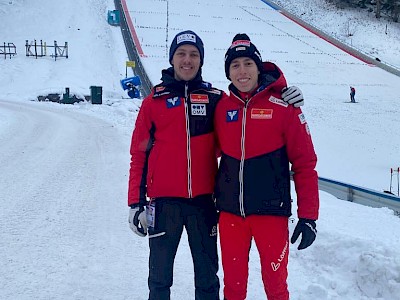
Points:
[[271, 236]]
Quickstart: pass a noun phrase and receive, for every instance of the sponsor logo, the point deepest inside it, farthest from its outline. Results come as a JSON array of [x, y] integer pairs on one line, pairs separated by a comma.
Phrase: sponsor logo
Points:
[[302, 118], [173, 102], [213, 231], [198, 109], [261, 113], [160, 89], [307, 129], [241, 43], [240, 49], [278, 101], [217, 92], [275, 266], [232, 115], [186, 37], [198, 98]]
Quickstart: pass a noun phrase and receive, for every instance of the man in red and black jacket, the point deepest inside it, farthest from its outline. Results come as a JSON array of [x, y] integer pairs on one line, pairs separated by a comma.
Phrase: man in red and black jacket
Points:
[[260, 135], [174, 164]]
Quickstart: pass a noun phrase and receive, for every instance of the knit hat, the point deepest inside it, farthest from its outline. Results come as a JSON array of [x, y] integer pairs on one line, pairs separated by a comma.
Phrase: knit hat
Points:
[[242, 47], [187, 37]]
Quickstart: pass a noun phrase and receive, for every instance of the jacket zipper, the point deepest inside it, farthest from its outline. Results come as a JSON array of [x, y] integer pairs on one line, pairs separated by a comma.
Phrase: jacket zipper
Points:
[[241, 168], [242, 158], [188, 153]]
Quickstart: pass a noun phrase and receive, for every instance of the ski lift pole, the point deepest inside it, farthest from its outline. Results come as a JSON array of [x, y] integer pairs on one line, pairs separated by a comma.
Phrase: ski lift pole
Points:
[[55, 50], [35, 50], [41, 48], [398, 182], [391, 177]]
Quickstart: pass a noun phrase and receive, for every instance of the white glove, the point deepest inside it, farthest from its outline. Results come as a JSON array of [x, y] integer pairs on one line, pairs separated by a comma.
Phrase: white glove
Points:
[[137, 220], [293, 96]]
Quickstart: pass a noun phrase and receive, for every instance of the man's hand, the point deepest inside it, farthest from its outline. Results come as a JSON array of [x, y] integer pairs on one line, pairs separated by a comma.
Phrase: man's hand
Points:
[[293, 96], [137, 220], [308, 231]]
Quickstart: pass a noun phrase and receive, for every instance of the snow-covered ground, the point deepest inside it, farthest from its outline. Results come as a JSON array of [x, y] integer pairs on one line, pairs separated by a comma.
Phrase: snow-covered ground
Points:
[[63, 182]]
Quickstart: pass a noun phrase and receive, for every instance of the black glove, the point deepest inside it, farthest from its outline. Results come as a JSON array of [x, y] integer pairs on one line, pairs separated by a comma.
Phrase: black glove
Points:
[[308, 231]]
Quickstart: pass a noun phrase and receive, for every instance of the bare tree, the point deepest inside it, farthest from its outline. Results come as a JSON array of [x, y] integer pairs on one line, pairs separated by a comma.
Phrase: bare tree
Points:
[[378, 9]]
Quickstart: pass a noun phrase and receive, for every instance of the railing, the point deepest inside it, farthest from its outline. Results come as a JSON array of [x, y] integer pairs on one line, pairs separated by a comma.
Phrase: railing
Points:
[[358, 194]]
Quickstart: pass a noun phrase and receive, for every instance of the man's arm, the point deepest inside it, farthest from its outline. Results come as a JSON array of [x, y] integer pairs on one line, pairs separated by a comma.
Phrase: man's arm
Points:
[[141, 144], [302, 156]]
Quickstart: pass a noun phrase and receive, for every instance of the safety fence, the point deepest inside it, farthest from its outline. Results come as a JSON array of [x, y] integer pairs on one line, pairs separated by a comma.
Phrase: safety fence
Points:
[[359, 195], [39, 49], [8, 49]]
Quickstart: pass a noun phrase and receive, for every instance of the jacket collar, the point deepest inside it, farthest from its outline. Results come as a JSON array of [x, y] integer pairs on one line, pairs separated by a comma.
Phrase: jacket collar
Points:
[[169, 85]]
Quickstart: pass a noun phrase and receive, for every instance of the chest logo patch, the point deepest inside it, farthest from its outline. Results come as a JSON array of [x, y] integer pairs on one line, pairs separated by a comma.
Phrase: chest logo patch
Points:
[[232, 115], [261, 113], [198, 98], [160, 89], [198, 109], [278, 101], [173, 102], [302, 118]]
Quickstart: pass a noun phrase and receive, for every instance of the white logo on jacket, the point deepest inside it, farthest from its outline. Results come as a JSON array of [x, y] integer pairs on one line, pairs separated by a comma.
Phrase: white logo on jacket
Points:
[[278, 101], [302, 118], [198, 109], [173, 100], [232, 114]]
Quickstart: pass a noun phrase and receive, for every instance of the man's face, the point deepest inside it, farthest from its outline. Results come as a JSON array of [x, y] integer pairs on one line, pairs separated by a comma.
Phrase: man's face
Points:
[[243, 73], [186, 62]]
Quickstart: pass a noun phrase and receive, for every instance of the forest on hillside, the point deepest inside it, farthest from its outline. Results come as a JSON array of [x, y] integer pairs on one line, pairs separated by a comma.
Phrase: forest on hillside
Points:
[[381, 8]]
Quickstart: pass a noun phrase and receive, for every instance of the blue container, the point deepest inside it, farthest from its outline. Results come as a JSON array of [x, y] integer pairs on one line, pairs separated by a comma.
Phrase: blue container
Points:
[[113, 17], [128, 83]]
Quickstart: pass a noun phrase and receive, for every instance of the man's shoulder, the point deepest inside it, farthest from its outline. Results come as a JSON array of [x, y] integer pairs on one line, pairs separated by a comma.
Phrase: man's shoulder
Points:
[[213, 94], [160, 90]]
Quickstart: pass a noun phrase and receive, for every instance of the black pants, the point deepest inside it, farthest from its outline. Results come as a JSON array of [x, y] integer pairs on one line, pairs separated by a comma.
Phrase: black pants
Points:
[[199, 217]]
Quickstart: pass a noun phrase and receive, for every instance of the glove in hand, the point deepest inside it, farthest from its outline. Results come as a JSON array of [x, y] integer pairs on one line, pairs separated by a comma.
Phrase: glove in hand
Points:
[[308, 231], [137, 220], [293, 96]]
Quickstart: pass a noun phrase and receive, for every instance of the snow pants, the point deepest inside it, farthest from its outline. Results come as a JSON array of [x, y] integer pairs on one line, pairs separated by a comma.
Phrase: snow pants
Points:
[[199, 217], [271, 236]]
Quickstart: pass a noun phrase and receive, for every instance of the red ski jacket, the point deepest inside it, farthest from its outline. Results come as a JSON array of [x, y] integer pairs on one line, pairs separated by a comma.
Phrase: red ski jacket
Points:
[[173, 149], [259, 138]]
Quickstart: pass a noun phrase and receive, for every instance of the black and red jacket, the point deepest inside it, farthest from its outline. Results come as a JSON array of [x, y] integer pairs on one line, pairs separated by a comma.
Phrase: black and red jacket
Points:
[[259, 138], [173, 152]]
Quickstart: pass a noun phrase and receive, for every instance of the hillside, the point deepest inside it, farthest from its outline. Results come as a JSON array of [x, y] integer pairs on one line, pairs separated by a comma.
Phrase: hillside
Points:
[[354, 26]]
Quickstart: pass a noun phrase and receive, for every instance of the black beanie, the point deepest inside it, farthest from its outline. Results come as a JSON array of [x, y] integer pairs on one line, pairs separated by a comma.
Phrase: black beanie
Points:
[[242, 47], [187, 37]]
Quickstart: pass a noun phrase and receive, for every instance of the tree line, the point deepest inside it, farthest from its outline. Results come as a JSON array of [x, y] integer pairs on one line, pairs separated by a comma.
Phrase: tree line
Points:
[[389, 7]]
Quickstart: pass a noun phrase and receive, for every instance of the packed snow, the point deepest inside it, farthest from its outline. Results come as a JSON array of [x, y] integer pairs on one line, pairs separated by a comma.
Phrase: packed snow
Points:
[[64, 168]]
